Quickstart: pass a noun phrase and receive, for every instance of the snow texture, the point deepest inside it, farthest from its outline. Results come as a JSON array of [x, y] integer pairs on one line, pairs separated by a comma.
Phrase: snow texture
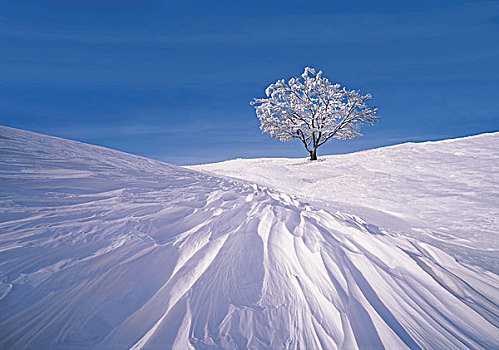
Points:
[[445, 193], [101, 249]]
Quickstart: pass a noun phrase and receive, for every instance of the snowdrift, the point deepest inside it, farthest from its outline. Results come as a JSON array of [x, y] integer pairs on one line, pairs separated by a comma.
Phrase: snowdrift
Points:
[[444, 193], [101, 249]]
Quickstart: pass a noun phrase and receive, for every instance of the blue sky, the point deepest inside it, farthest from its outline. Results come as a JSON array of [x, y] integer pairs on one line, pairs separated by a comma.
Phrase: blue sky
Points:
[[173, 80]]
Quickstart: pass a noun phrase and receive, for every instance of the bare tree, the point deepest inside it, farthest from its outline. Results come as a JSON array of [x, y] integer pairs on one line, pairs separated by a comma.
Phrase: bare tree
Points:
[[313, 110]]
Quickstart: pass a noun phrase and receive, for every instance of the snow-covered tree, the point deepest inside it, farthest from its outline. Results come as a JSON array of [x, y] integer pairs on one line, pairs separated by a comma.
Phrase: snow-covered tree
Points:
[[313, 110]]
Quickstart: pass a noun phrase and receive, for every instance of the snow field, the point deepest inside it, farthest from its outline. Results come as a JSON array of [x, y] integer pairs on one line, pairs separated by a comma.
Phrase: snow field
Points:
[[102, 249], [444, 193]]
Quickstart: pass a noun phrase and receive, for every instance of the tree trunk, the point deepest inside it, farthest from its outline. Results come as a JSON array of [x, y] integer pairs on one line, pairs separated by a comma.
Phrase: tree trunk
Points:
[[313, 154]]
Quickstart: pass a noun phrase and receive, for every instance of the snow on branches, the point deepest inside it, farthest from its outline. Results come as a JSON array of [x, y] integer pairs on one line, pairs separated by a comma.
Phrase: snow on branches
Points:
[[313, 110]]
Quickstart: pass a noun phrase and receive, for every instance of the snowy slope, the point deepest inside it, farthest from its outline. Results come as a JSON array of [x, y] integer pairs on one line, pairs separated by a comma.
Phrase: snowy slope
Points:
[[101, 249], [445, 193]]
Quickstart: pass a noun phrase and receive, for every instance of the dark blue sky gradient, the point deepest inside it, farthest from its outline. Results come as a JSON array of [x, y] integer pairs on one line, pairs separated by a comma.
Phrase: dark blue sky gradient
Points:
[[173, 80]]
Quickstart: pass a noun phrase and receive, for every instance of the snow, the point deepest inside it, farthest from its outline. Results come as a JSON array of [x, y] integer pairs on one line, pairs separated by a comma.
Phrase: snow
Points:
[[101, 249], [444, 193]]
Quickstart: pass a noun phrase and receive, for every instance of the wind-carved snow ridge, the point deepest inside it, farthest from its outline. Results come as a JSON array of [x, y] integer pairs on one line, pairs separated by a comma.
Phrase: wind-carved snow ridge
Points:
[[100, 249], [443, 193]]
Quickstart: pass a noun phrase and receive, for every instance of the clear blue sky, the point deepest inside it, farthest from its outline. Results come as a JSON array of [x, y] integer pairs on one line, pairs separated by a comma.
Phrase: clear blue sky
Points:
[[172, 80]]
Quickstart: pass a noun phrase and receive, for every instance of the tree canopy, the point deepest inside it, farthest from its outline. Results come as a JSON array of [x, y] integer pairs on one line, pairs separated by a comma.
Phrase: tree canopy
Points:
[[312, 109]]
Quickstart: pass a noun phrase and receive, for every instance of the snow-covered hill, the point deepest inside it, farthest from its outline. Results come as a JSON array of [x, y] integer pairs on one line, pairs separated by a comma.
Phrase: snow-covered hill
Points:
[[445, 193], [101, 249]]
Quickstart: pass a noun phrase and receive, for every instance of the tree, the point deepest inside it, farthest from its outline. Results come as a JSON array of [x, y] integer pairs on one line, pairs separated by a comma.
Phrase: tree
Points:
[[313, 110]]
